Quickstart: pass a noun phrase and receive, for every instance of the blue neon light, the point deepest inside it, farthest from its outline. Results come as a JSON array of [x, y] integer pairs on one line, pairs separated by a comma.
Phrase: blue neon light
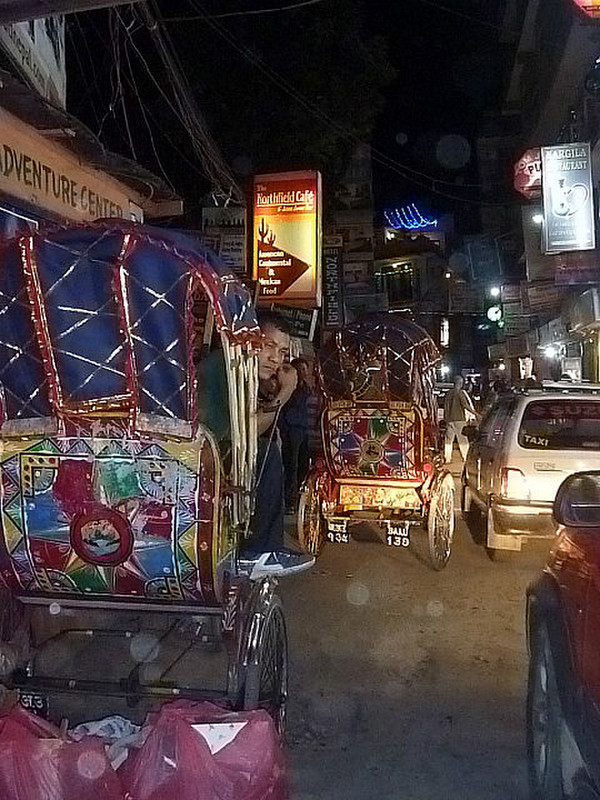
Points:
[[408, 218]]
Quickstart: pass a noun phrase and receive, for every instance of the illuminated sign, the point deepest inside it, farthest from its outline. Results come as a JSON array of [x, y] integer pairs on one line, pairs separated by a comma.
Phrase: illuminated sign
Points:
[[568, 199], [286, 256], [589, 7], [408, 218], [528, 174]]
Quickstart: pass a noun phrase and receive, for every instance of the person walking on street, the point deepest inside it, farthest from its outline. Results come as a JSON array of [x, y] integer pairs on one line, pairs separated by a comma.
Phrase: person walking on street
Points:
[[458, 410]]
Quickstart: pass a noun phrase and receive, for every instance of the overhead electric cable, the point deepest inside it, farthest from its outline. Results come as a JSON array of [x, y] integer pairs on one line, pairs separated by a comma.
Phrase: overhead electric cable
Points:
[[291, 7], [377, 155], [217, 171]]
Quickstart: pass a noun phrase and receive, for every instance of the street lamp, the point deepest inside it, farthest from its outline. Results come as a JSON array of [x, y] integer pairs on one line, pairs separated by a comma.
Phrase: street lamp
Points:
[[495, 291]]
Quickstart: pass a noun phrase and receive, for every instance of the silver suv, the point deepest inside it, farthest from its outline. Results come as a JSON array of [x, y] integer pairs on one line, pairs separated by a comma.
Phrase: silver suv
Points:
[[524, 447]]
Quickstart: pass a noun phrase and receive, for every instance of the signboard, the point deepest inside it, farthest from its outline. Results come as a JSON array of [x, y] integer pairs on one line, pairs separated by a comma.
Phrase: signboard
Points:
[[50, 177], [568, 199], [37, 50], [302, 321], [527, 178], [589, 7], [333, 301], [287, 237], [543, 294], [574, 269]]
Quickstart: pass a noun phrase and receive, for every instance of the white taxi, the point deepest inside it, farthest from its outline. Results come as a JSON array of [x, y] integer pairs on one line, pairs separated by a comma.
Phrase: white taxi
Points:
[[523, 448]]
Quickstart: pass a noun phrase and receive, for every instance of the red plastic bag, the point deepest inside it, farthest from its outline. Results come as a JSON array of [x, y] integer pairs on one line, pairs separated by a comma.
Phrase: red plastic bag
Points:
[[177, 763], [37, 764]]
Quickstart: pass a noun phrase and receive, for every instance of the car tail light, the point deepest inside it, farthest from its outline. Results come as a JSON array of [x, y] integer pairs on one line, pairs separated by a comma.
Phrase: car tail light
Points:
[[513, 484]]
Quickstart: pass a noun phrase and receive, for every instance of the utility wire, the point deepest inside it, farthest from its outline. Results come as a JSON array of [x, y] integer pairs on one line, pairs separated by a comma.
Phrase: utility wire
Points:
[[292, 7], [218, 172], [130, 78], [406, 172]]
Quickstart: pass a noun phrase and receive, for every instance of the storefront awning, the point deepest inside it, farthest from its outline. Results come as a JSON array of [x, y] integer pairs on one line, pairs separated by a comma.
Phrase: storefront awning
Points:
[[21, 10], [153, 195]]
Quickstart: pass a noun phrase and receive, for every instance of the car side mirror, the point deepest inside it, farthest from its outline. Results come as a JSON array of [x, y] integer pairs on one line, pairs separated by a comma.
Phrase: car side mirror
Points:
[[577, 502], [471, 432]]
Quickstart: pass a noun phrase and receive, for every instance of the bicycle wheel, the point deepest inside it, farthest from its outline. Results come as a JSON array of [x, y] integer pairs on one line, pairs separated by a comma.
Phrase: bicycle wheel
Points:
[[440, 523], [266, 678]]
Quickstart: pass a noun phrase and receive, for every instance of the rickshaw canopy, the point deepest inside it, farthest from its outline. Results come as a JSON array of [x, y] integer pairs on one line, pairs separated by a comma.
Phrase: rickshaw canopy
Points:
[[380, 359], [100, 317]]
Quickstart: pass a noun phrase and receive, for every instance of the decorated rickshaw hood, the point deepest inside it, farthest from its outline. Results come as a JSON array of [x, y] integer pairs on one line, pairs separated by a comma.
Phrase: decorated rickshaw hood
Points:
[[378, 359], [100, 315]]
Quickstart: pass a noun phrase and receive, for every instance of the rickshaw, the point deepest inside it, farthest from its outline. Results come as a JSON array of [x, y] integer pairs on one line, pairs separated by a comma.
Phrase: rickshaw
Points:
[[117, 498], [381, 458]]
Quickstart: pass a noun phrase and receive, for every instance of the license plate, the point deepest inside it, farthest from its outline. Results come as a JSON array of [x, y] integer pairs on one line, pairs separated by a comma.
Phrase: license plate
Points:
[[338, 537], [36, 703]]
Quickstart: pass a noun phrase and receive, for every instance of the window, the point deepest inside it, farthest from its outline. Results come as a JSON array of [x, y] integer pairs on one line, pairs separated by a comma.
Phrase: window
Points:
[[561, 425], [495, 422]]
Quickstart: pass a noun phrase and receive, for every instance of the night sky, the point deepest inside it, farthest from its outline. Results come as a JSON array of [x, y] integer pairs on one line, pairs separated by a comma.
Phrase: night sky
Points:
[[446, 56]]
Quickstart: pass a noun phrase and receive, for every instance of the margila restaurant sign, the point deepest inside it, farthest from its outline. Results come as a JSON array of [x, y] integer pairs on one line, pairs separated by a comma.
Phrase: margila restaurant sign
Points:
[[286, 256]]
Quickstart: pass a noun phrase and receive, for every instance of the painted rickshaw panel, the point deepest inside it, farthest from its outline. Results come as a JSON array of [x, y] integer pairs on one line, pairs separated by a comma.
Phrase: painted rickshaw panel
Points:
[[123, 499], [379, 425]]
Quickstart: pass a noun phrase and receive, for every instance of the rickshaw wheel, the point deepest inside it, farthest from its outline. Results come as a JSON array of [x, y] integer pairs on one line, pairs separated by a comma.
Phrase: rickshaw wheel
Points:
[[310, 521], [266, 679], [440, 523]]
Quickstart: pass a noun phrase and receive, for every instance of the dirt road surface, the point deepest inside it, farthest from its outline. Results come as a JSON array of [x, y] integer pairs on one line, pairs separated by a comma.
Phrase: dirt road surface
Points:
[[408, 684]]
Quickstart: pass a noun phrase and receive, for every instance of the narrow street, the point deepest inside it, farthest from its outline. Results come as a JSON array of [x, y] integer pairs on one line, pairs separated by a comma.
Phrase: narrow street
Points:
[[406, 683]]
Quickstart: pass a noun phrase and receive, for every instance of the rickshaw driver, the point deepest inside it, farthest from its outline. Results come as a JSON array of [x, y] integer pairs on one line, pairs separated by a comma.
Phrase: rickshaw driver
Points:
[[265, 553]]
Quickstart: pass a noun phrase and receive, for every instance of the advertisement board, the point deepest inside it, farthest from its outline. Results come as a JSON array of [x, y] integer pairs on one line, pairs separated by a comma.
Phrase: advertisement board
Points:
[[568, 198], [287, 237], [333, 301]]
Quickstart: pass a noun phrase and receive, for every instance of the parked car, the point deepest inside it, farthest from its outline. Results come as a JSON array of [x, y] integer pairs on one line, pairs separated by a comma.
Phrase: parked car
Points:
[[563, 633], [520, 452]]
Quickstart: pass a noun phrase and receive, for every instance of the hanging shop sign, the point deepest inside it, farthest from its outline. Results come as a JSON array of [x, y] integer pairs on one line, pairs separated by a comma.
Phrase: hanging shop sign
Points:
[[47, 176], [333, 301], [568, 199], [527, 178], [589, 7], [287, 237]]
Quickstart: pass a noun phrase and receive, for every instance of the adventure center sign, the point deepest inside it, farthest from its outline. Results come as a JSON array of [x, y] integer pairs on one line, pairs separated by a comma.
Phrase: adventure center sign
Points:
[[286, 254], [50, 177]]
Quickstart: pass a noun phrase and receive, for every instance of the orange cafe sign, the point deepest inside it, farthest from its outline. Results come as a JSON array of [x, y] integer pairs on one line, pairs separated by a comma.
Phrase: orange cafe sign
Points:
[[48, 176], [286, 254], [589, 7]]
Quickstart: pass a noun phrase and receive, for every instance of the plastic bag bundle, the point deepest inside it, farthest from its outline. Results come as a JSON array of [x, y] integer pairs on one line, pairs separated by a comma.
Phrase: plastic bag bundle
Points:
[[38, 764], [198, 751]]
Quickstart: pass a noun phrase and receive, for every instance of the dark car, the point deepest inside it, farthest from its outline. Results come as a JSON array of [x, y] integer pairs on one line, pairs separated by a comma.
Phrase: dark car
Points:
[[563, 632]]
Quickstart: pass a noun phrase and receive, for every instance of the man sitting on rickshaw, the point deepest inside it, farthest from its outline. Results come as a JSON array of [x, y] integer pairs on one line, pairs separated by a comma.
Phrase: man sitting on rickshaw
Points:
[[264, 553]]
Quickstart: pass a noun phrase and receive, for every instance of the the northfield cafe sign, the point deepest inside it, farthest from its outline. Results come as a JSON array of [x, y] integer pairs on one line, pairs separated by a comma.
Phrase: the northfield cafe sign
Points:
[[287, 232], [50, 177]]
